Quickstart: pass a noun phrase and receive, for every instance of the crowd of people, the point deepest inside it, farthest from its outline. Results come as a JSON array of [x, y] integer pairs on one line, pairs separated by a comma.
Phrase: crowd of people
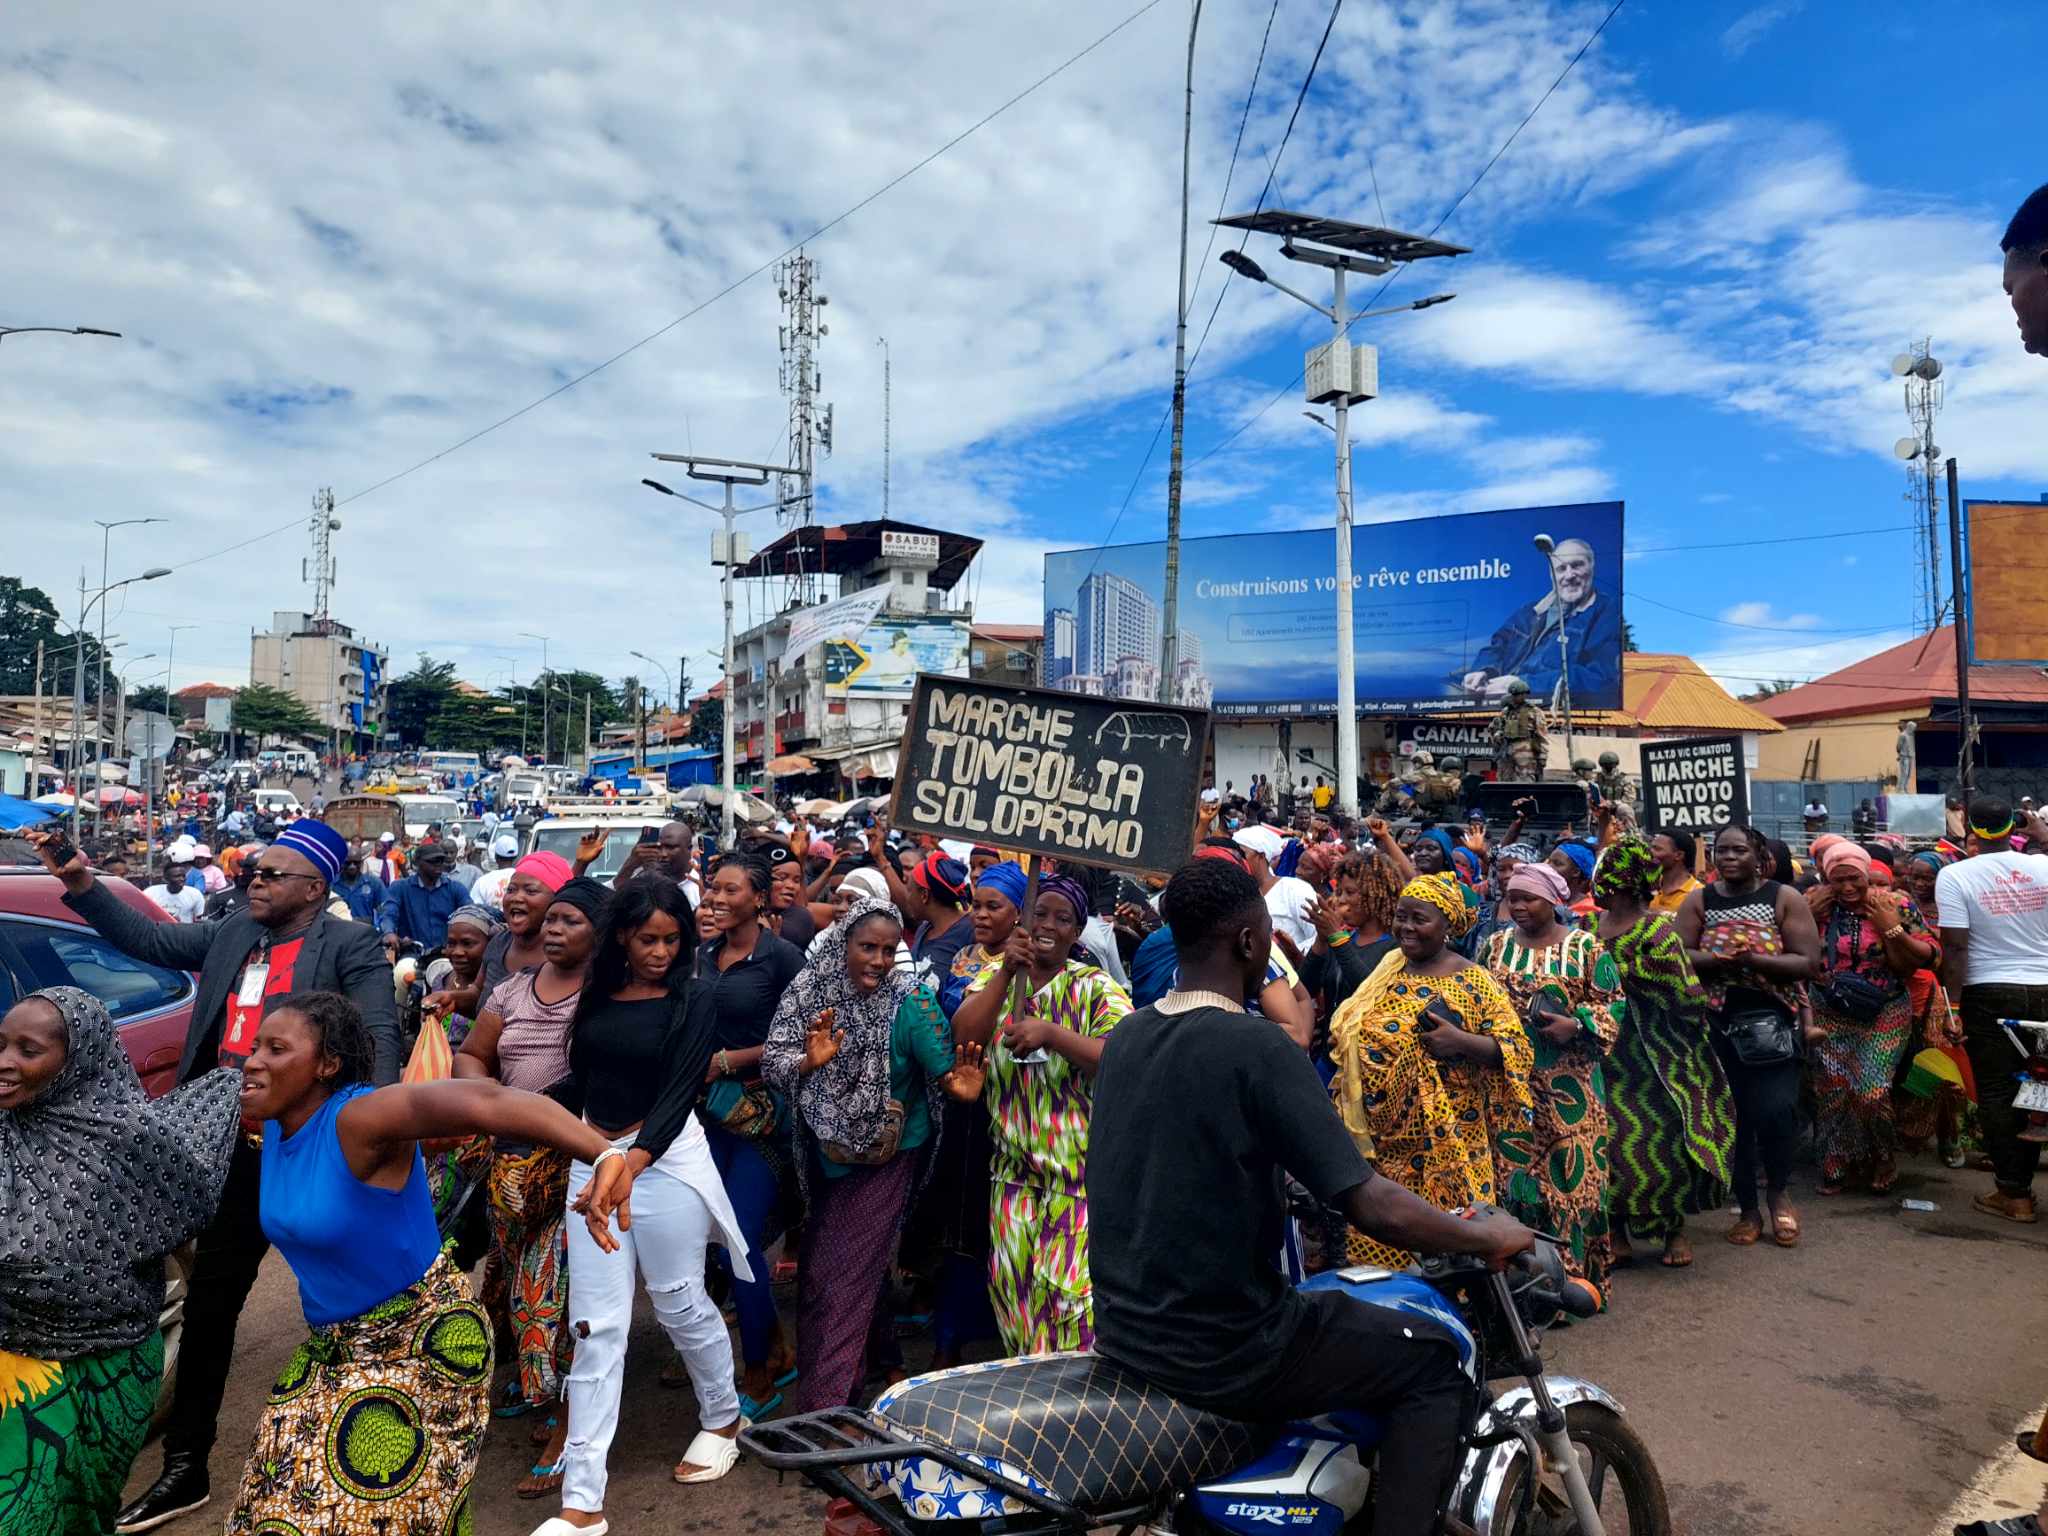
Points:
[[874, 1061]]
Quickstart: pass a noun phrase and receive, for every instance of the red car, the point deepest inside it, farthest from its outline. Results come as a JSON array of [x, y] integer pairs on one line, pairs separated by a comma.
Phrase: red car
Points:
[[43, 943]]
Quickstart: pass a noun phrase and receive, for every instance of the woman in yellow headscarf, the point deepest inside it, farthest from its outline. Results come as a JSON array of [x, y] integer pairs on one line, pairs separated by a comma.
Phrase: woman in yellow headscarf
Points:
[[1433, 1069]]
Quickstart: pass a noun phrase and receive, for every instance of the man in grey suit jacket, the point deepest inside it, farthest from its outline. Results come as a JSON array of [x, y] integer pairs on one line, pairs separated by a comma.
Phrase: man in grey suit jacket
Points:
[[282, 941]]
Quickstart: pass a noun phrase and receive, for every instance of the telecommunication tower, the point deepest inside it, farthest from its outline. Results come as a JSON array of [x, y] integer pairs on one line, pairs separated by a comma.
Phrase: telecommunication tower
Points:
[[1922, 372], [320, 569], [810, 424]]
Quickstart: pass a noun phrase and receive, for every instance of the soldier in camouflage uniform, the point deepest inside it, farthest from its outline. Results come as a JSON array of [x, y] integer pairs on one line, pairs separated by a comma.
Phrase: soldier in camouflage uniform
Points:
[[1443, 790], [1520, 734], [1612, 783], [1403, 794]]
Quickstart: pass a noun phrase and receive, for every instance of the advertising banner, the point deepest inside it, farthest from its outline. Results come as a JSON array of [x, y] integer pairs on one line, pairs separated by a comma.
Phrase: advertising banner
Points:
[[1445, 612], [1033, 771], [2006, 573], [841, 619], [889, 656], [1697, 785]]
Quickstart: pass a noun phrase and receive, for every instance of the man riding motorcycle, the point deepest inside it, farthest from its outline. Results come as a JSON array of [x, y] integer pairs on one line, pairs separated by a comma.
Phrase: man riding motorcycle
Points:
[[1199, 1109]]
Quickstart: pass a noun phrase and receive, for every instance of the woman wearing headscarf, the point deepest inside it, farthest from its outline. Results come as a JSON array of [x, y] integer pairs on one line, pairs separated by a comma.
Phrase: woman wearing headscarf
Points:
[[1433, 1069], [939, 893], [1672, 1123], [516, 946], [1872, 940], [521, 1038], [1921, 1117], [1569, 996], [1040, 1069], [97, 1183], [1574, 859], [454, 1172], [954, 1207], [860, 1049]]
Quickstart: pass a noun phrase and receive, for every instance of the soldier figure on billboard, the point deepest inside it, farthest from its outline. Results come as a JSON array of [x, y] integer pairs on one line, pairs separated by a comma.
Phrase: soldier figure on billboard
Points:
[[1520, 734]]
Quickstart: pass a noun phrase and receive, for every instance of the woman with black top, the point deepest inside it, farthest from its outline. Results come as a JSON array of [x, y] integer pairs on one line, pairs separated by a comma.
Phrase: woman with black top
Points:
[[1754, 945], [639, 1043], [746, 969]]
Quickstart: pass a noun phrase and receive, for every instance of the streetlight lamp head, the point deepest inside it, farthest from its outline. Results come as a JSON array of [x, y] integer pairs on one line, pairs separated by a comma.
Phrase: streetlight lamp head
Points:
[[92, 330], [1545, 543], [1243, 265], [155, 571], [656, 485], [1319, 421], [1434, 299]]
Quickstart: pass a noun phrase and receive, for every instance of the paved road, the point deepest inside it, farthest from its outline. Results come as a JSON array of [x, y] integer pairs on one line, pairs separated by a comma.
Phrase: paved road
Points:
[[1855, 1385]]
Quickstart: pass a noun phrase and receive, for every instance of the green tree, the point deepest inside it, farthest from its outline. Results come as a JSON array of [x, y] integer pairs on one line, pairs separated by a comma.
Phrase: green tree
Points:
[[468, 722], [1628, 637], [413, 701], [154, 697], [1770, 690], [28, 616], [263, 711], [708, 728]]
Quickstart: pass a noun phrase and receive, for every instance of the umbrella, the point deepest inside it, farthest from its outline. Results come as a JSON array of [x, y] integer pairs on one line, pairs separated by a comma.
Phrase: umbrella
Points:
[[16, 813], [56, 799], [114, 794]]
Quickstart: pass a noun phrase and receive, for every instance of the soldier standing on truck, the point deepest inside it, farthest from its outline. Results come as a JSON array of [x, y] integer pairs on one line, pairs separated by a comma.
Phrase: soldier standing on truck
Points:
[[1521, 735]]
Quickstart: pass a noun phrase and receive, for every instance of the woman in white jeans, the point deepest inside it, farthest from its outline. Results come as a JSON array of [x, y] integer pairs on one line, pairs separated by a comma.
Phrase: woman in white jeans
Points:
[[639, 1046]]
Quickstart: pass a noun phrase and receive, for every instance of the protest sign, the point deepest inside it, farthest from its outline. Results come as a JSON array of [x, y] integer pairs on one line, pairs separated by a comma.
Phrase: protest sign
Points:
[[1695, 785], [1110, 782]]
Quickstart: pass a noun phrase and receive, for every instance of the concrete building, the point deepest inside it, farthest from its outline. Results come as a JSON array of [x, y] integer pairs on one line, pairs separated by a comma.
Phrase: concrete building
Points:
[[322, 664], [1115, 620], [845, 710], [1005, 653], [1057, 657]]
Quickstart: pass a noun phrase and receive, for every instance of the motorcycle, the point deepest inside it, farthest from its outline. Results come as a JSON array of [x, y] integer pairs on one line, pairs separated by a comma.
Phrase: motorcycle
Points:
[[1060, 1445], [2031, 1100]]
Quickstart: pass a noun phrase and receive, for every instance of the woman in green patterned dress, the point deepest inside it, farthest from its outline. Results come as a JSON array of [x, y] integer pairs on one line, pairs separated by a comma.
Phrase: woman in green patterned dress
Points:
[[97, 1184], [1564, 985], [1041, 1070], [1667, 1095]]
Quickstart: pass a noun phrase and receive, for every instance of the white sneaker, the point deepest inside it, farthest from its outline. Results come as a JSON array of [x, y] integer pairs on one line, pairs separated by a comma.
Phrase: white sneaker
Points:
[[555, 1525]]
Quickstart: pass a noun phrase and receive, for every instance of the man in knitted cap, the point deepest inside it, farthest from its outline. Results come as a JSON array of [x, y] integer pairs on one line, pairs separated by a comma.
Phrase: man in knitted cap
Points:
[[282, 941]]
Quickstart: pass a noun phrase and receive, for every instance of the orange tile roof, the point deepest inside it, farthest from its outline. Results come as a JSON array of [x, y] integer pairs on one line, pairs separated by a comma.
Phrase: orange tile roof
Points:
[[1662, 692], [1905, 679]]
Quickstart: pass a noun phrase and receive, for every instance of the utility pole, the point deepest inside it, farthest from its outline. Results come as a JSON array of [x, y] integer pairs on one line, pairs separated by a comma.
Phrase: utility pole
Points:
[[1169, 640], [527, 634], [1959, 592], [35, 730], [725, 551]]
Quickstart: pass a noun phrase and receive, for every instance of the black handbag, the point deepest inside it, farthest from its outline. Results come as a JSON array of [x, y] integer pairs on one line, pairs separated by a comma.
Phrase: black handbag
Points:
[[1857, 997], [1761, 1037]]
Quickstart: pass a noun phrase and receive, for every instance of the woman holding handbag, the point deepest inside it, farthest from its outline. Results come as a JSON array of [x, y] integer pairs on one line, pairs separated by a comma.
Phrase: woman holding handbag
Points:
[[1872, 940], [746, 969], [1754, 946]]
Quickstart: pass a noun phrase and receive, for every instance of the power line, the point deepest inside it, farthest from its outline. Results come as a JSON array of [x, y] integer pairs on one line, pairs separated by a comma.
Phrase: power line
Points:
[[740, 282], [1288, 388], [1776, 629], [1272, 170]]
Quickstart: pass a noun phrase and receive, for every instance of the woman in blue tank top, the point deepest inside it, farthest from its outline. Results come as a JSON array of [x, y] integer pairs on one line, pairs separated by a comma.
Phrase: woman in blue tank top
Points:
[[378, 1417]]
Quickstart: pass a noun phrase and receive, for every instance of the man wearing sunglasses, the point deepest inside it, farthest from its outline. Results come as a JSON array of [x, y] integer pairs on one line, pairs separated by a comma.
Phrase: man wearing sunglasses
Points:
[[283, 940]]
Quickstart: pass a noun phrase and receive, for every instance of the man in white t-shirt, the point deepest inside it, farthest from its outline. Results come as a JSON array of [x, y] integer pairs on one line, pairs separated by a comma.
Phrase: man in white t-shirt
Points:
[[182, 899], [489, 890], [1288, 900], [1994, 936]]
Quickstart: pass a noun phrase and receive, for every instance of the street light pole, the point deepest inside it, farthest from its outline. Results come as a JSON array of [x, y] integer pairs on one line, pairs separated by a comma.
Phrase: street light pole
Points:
[[668, 686], [730, 472], [1169, 640], [106, 545], [1547, 547], [85, 608], [528, 634]]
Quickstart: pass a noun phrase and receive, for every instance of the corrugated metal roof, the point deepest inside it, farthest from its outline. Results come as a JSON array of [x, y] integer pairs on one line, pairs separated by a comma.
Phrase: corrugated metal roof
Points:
[[1908, 677]]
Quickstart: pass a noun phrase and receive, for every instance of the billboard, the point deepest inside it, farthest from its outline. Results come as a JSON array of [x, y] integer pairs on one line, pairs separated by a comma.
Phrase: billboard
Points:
[[887, 656], [1445, 611], [2006, 566]]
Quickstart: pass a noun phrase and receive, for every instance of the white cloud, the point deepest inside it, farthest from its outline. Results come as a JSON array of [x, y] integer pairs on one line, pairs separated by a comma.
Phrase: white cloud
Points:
[[1764, 616], [1749, 28], [1741, 667]]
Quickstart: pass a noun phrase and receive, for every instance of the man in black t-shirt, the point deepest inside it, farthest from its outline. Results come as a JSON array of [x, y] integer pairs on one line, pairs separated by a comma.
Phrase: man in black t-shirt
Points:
[[1199, 1109]]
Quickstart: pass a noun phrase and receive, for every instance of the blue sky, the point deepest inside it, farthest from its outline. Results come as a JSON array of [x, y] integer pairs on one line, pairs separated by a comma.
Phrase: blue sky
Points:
[[339, 246]]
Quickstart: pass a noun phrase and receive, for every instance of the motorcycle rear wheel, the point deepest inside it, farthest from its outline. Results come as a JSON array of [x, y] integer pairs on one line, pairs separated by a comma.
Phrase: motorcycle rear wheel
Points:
[[1622, 1478]]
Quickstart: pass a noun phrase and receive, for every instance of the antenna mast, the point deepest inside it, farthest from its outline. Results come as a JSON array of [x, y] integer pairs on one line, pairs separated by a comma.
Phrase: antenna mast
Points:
[[1923, 474], [321, 568], [810, 427]]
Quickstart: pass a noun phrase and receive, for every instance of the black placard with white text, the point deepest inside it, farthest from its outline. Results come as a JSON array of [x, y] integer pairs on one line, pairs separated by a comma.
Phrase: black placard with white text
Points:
[[1110, 782], [1697, 785]]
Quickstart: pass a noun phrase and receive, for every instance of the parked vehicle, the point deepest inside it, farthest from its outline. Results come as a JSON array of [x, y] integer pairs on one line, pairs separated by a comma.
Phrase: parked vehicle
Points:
[[561, 834], [422, 811], [275, 802], [1059, 1445]]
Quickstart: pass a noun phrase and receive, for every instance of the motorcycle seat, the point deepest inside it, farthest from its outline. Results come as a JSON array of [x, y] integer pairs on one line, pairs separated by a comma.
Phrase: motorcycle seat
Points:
[[1075, 1426]]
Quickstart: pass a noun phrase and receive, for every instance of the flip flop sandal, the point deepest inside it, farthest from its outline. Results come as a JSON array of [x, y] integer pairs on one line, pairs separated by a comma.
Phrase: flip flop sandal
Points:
[[510, 1404], [1745, 1233], [712, 1455], [545, 1429], [1785, 1231], [2026, 1445], [754, 1411], [550, 1481]]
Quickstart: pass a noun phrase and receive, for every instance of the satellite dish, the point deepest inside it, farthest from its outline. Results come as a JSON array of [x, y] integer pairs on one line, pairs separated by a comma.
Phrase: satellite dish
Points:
[[1907, 448], [1902, 364], [1928, 368]]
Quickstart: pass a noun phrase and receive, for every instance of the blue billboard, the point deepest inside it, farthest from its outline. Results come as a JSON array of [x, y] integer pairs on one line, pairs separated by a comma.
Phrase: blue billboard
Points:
[[1446, 611]]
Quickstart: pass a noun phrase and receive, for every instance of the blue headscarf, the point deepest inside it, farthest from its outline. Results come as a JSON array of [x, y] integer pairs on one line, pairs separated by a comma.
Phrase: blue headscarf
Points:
[[1580, 854], [1006, 879]]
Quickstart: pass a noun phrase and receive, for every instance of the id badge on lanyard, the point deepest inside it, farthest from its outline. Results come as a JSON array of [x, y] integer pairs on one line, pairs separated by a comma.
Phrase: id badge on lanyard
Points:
[[246, 1012]]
